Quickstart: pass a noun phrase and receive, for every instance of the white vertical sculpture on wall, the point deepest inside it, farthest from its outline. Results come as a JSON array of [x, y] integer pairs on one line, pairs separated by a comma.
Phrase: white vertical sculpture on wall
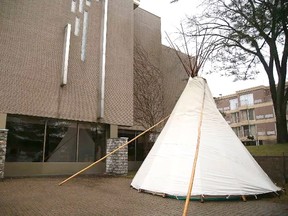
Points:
[[77, 26], [66, 49], [103, 58], [81, 6], [73, 6], [84, 36]]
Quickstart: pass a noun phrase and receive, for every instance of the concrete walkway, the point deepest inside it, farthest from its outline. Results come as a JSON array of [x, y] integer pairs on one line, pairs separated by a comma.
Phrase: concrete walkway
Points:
[[110, 196]]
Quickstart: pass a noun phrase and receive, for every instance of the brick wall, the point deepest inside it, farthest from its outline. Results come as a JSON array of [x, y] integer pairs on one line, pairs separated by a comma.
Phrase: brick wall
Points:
[[276, 167], [3, 138], [117, 163], [32, 36]]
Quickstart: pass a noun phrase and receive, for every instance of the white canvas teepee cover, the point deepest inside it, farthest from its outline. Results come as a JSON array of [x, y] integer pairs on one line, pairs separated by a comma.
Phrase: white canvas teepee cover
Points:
[[224, 166]]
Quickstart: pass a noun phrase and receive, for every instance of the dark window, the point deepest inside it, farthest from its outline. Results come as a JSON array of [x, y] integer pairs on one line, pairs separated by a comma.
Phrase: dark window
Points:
[[61, 141], [246, 130], [25, 139], [92, 142], [235, 117], [251, 114], [32, 139], [136, 148]]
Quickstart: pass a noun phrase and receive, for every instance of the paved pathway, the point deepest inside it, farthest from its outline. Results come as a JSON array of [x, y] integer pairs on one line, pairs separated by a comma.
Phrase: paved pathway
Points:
[[110, 196]]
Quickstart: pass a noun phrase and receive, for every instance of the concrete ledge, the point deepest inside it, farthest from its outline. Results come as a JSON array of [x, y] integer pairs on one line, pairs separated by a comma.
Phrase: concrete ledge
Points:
[[19, 169]]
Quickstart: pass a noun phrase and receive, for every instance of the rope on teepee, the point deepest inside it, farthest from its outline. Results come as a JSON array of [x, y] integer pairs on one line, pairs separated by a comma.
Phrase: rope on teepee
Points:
[[195, 156], [115, 150]]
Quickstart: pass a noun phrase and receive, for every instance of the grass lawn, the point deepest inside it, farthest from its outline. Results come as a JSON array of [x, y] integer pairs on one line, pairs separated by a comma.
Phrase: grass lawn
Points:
[[272, 150], [269, 150]]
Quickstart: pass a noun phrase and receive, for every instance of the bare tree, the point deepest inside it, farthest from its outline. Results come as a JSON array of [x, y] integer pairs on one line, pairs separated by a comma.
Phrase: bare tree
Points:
[[148, 95], [202, 47], [250, 32]]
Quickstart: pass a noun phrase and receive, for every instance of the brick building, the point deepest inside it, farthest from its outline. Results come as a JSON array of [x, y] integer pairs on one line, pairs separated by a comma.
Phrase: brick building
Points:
[[250, 114], [67, 74]]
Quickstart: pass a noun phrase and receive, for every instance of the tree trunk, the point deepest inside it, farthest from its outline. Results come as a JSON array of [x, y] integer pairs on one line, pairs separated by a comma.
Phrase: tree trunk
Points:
[[279, 103], [281, 122], [147, 144]]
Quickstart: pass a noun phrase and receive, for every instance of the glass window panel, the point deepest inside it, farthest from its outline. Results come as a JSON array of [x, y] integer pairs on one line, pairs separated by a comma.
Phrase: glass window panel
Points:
[[251, 114], [25, 139], [136, 148], [61, 141], [247, 114], [246, 130], [246, 100], [235, 131], [240, 132], [235, 117], [140, 145], [244, 115], [92, 142], [249, 130], [253, 130], [131, 146], [233, 104]]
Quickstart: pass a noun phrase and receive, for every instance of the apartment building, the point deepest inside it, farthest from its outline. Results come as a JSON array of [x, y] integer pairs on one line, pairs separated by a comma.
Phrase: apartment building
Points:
[[250, 114], [66, 77]]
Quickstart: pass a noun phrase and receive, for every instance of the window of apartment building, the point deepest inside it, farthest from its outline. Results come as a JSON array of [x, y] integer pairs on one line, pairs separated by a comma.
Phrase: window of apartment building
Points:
[[233, 104], [50, 140], [249, 130], [246, 130], [235, 117], [237, 131], [227, 117], [246, 100], [251, 114], [248, 114]]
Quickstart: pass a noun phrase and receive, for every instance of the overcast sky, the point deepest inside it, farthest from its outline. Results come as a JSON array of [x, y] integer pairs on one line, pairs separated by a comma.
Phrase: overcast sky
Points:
[[171, 16]]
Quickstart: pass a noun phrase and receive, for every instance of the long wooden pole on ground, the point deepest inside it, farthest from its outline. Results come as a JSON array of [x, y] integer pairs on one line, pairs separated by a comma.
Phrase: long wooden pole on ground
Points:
[[107, 155], [195, 160]]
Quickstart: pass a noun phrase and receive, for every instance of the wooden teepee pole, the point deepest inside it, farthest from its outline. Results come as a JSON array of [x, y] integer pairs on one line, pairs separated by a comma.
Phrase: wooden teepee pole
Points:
[[115, 150], [195, 160]]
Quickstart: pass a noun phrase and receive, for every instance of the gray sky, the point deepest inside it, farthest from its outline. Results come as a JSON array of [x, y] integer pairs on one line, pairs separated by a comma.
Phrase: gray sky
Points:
[[171, 17]]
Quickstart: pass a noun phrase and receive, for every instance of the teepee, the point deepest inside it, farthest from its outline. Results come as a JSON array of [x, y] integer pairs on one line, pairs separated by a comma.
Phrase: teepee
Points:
[[224, 166]]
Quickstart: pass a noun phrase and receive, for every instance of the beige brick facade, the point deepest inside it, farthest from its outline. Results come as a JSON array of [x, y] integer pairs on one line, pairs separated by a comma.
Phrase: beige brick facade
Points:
[[32, 35]]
